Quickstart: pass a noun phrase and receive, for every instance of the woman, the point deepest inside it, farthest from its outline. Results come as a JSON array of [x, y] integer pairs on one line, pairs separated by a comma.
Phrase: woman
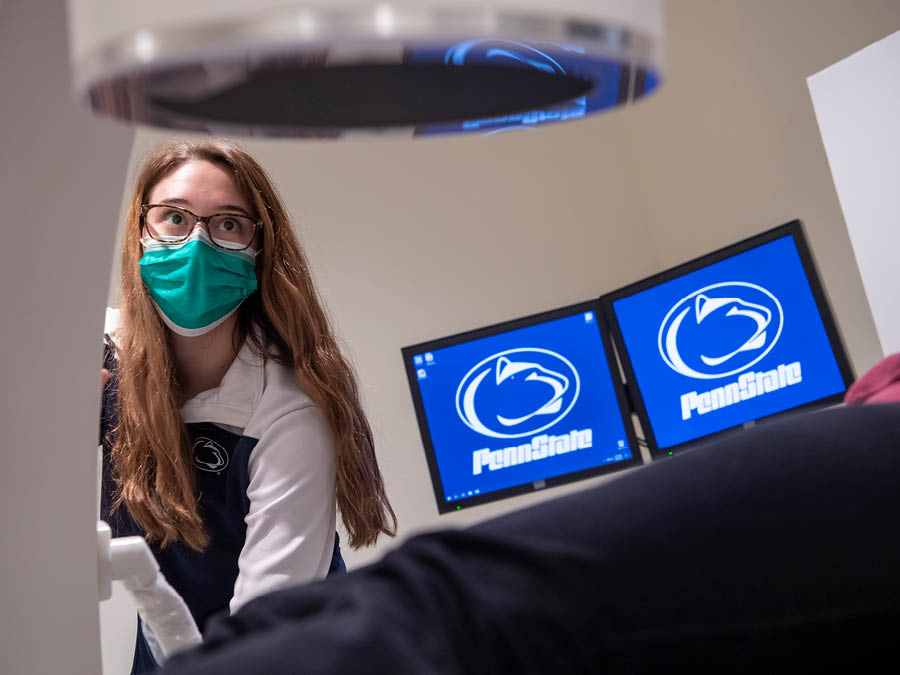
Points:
[[232, 423]]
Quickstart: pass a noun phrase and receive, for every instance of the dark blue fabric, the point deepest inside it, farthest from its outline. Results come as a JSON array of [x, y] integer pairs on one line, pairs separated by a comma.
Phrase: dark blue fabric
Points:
[[774, 550], [337, 560], [204, 580], [144, 663]]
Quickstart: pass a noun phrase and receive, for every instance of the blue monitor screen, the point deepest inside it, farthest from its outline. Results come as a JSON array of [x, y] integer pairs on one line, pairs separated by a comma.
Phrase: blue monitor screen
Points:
[[519, 407], [729, 340]]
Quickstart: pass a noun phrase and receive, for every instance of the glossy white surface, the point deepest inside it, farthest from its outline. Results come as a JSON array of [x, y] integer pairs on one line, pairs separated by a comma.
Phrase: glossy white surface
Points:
[[857, 102]]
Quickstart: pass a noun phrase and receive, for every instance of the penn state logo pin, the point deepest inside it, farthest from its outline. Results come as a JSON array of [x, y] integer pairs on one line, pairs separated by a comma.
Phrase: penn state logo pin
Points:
[[720, 330], [517, 392], [209, 455]]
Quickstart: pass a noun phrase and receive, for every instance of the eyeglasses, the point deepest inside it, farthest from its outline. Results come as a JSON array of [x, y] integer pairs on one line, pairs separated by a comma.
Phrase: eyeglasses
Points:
[[172, 224]]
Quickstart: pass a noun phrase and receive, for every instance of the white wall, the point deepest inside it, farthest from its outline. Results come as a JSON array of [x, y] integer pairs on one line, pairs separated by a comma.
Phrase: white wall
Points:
[[60, 185], [857, 104]]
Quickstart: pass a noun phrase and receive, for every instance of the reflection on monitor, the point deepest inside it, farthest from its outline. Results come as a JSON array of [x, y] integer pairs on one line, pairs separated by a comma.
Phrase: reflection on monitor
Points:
[[738, 335], [520, 406]]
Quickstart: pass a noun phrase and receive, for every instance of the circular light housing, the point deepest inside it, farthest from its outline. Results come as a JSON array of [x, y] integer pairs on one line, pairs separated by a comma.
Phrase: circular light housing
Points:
[[416, 68]]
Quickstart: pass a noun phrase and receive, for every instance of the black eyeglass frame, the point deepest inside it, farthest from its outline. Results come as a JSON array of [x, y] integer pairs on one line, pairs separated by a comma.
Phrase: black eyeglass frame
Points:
[[204, 220]]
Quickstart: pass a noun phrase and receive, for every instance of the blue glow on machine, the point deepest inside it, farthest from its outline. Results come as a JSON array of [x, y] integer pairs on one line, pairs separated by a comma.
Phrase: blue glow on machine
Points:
[[612, 82]]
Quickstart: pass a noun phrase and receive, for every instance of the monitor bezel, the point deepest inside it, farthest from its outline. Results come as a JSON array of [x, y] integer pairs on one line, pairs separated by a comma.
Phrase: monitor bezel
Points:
[[793, 229], [445, 506]]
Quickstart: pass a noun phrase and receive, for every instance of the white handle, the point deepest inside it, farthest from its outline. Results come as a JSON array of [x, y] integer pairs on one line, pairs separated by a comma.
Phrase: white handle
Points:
[[167, 623]]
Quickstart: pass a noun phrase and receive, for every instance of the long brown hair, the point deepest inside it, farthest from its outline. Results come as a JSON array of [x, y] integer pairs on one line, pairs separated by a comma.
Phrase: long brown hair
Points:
[[151, 457]]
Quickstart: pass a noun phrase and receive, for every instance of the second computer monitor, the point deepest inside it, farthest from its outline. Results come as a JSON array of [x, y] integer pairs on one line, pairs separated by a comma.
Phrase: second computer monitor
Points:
[[730, 338]]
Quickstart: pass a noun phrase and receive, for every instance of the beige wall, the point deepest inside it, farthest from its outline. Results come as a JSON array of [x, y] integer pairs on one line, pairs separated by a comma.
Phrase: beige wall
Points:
[[414, 241], [731, 146]]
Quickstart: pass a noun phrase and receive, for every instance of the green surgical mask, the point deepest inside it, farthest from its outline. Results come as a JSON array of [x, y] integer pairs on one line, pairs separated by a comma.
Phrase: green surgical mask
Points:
[[194, 284]]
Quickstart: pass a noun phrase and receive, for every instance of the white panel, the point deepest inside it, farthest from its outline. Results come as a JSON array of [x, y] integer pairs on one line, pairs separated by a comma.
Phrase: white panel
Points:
[[60, 184], [857, 103]]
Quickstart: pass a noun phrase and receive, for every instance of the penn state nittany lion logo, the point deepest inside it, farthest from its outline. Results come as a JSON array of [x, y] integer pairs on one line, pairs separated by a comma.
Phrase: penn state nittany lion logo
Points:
[[502, 53], [720, 330], [517, 392], [209, 455]]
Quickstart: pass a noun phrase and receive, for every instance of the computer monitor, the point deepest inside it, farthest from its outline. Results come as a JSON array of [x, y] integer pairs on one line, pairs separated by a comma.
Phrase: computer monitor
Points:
[[520, 406], [728, 339]]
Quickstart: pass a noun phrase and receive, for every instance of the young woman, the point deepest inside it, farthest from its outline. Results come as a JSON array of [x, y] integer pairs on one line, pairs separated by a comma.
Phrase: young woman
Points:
[[232, 425]]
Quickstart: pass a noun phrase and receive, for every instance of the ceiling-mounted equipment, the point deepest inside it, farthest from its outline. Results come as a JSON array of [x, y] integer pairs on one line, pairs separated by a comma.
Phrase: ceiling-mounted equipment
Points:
[[323, 69]]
